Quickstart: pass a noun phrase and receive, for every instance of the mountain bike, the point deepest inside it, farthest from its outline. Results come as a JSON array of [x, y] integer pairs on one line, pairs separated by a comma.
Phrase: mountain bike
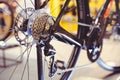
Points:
[[89, 37], [6, 20]]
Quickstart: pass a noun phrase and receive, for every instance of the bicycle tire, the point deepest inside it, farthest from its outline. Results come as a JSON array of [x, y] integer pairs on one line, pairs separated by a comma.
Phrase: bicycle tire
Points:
[[111, 63], [108, 63], [9, 25]]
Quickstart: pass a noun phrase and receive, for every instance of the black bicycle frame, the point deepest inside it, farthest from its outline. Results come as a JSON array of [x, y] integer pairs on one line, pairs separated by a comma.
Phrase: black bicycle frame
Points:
[[117, 5], [39, 52], [82, 30], [76, 40], [83, 8], [117, 11]]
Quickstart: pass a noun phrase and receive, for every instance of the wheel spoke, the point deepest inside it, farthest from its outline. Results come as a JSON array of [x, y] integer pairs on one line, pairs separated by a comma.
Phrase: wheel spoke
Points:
[[26, 64], [6, 13], [32, 2], [16, 66], [19, 5]]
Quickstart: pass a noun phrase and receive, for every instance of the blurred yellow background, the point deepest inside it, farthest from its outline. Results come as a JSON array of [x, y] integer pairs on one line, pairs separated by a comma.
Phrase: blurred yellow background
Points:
[[66, 22]]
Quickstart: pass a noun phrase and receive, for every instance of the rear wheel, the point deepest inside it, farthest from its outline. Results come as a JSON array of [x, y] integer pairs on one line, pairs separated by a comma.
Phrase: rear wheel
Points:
[[6, 20]]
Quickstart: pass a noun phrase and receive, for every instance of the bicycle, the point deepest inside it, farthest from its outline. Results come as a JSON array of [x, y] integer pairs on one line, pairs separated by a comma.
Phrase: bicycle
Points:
[[6, 13], [89, 37]]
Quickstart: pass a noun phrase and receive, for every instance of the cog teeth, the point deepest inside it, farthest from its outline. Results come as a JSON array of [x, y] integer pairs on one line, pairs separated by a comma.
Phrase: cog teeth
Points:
[[41, 25], [37, 24]]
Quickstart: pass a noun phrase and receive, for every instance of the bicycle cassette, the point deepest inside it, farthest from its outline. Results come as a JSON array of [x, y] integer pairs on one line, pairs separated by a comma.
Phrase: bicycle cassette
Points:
[[40, 27]]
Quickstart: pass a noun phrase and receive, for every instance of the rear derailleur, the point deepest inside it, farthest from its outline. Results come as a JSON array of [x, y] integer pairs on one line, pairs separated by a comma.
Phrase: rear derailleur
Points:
[[53, 65], [49, 51]]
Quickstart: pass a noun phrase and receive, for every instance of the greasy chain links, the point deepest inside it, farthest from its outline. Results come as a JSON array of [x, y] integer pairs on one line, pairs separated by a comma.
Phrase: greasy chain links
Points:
[[41, 26]]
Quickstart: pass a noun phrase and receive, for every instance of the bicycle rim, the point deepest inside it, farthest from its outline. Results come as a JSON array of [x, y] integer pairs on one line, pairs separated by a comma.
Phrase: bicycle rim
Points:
[[108, 59], [6, 20], [110, 50], [20, 68]]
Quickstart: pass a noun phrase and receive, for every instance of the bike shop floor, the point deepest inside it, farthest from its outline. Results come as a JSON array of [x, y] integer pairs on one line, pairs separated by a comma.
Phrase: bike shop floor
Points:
[[91, 72]]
